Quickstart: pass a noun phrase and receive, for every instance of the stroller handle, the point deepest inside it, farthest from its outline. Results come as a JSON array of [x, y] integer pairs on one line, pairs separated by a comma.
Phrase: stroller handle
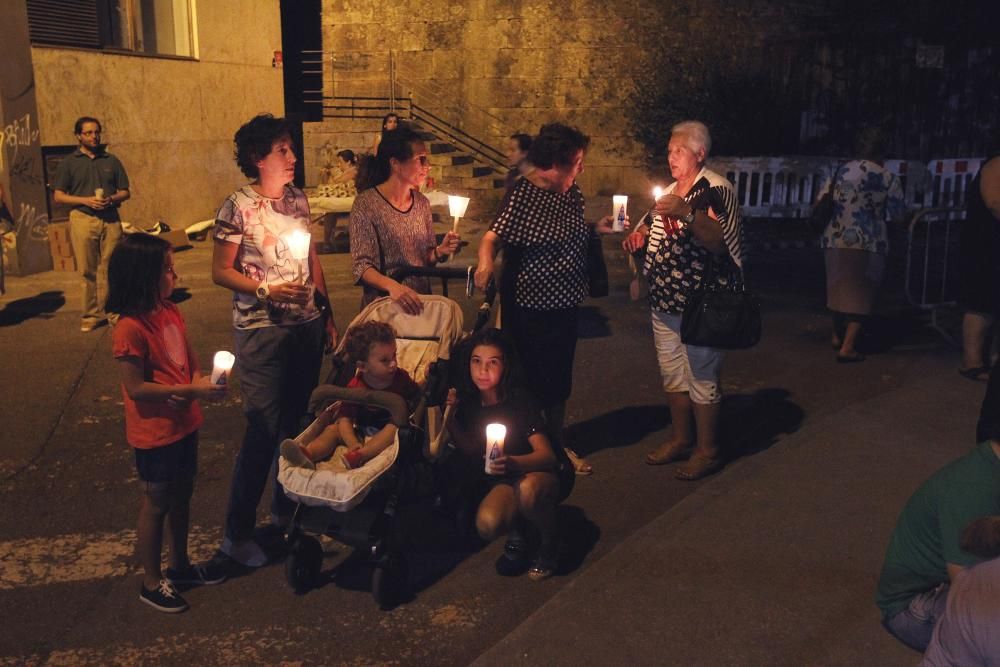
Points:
[[393, 403], [446, 273]]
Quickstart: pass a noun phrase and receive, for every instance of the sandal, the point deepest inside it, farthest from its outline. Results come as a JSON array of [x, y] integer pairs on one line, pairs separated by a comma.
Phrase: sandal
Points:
[[850, 358], [699, 467], [544, 566], [977, 374], [667, 453], [580, 464]]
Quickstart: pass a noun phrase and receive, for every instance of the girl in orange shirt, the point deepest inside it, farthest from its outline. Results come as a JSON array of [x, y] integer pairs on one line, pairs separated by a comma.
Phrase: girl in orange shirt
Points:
[[160, 384]]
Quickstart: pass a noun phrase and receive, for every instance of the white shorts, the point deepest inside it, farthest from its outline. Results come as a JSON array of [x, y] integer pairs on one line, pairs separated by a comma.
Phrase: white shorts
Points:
[[686, 368]]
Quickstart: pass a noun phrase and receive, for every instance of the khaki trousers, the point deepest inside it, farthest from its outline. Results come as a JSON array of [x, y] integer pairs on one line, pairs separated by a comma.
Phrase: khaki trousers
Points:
[[93, 240]]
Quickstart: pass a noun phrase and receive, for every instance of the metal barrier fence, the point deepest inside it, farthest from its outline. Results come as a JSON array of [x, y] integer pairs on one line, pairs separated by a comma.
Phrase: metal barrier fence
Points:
[[932, 263], [786, 187]]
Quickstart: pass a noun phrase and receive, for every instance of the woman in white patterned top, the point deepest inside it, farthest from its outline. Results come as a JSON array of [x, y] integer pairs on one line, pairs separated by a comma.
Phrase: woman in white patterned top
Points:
[[282, 318], [544, 235], [695, 224], [855, 242], [391, 225]]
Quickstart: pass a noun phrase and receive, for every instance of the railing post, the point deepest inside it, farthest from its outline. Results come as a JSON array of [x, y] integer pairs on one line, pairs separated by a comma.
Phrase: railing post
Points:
[[392, 81]]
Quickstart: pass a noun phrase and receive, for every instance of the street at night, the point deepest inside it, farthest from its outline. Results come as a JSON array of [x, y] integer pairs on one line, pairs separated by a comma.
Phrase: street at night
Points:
[[773, 561]]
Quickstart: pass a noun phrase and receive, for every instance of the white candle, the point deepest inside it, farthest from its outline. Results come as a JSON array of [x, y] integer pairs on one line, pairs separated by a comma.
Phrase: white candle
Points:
[[620, 212], [298, 247], [99, 193], [457, 206], [222, 364], [657, 193], [495, 433], [298, 243]]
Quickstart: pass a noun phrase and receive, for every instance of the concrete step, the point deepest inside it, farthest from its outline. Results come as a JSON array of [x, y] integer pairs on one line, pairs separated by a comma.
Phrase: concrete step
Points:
[[439, 148]]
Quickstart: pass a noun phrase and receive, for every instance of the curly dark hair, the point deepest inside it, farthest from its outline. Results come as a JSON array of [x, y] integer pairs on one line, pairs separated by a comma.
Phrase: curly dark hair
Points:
[[255, 138], [556, 144], [363, 337], [134, 271], [511, 380]]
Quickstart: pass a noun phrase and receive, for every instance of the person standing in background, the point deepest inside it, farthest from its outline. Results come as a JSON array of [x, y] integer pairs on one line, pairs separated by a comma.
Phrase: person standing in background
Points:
[[95, 184]]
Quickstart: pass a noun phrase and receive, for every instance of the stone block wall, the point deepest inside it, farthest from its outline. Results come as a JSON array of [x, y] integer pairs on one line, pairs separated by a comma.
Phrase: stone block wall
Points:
[[170, 121], [498, 67]]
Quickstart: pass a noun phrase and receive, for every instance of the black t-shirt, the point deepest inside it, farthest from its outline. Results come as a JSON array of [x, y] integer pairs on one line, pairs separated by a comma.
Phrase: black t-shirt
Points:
[[519, 415]]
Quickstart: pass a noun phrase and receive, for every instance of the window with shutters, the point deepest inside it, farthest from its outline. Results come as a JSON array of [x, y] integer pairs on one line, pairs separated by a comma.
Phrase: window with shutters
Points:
[[153, 27]]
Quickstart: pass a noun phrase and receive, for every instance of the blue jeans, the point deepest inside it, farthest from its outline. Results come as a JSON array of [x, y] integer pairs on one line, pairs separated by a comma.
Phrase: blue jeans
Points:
[[278, 368], [914, 625]]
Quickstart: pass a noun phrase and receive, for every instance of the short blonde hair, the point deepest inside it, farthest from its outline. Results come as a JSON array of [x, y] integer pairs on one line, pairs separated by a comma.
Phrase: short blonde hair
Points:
[[697, 134]]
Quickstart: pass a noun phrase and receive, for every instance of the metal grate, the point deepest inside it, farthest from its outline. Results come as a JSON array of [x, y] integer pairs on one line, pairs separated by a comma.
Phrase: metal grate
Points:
[[64, 22]]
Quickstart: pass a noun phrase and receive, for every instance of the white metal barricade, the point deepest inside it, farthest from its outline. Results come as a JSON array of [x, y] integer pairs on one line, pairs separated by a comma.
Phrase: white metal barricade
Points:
[[931, 263]]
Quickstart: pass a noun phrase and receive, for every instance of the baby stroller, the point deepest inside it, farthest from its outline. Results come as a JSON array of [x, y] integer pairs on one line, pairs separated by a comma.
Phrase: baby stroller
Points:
[[358, 507]]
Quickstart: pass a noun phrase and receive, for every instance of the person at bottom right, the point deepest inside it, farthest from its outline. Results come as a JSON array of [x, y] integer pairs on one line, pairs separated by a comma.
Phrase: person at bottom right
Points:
[[925, 552]]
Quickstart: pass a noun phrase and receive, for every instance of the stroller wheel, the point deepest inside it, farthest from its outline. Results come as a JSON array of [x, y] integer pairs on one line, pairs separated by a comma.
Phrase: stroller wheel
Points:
[[303, 564], [389, 581]]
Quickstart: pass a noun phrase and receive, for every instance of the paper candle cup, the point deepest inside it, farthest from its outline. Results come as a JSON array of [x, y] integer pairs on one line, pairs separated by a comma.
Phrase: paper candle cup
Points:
[[495, 433], [221, 365], [620, 212], [457, 205], [99, 193], [298, 243]]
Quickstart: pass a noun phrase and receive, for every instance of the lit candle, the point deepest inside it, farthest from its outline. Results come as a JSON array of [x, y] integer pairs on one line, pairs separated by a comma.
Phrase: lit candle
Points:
[[495, 433], [222, 364], [298, 247], [619, 213], [657, 193], [457, 206]]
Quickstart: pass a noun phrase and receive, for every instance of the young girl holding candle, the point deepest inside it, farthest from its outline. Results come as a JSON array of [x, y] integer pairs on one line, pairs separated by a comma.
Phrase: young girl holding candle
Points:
[[528, 480], [160, 383]]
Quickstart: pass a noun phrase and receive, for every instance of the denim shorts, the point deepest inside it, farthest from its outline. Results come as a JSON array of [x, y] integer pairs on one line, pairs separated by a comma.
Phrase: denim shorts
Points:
[[175, 462]]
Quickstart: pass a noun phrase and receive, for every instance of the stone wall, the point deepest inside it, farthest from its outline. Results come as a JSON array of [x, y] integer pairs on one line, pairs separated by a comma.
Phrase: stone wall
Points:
[[170, 121], [498, 67]]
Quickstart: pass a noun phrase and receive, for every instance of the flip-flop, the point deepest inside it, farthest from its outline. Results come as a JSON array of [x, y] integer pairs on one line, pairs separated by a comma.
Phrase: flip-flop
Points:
[[977, 374], [850, 358], [580, 465], [668, 455]]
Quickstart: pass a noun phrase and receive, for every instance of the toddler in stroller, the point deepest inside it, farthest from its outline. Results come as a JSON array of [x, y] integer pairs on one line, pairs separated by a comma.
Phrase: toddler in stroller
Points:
[[372, 347], [358, 505]]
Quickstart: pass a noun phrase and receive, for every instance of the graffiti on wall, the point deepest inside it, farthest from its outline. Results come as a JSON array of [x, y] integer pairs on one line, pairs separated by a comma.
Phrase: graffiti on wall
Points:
[[17, 134], [31, 223]]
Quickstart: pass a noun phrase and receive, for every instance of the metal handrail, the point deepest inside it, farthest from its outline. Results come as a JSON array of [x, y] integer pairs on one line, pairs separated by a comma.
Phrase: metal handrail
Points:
[[457, 135]]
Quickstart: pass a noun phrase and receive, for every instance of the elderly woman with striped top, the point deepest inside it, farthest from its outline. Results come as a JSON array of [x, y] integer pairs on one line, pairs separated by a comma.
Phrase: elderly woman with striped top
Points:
[[391, 225], [694, 225]]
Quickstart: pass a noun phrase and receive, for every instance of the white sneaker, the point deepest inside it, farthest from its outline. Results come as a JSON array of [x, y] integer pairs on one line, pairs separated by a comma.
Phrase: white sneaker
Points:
[[246, 553]]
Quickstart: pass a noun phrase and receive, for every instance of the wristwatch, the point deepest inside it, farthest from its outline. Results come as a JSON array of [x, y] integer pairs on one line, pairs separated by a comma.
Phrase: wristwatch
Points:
[[263, 291], [689, 218]]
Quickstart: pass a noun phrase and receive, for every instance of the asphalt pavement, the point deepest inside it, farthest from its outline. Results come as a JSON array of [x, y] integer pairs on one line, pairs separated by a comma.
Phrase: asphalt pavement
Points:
[[773, 561]]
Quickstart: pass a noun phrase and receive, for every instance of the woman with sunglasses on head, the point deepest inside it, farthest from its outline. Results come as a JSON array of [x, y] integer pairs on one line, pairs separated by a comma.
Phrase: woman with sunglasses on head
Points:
[[391, 225]]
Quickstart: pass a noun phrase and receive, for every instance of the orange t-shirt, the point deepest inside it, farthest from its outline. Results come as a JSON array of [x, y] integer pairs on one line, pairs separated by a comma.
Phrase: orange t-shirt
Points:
[[159, 339]]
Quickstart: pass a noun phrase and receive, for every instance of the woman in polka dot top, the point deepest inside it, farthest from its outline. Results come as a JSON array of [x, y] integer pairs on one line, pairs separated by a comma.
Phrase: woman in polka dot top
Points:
[[542, 230]]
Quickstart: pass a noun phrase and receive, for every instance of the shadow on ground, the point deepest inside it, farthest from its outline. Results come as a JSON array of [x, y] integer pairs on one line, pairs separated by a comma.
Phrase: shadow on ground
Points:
[[750, 423], [593, 323], [41, 305]]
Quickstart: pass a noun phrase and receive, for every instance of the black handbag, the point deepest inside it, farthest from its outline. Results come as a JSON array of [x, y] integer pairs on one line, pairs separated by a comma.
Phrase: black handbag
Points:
[[597, 270], [726, 317]]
